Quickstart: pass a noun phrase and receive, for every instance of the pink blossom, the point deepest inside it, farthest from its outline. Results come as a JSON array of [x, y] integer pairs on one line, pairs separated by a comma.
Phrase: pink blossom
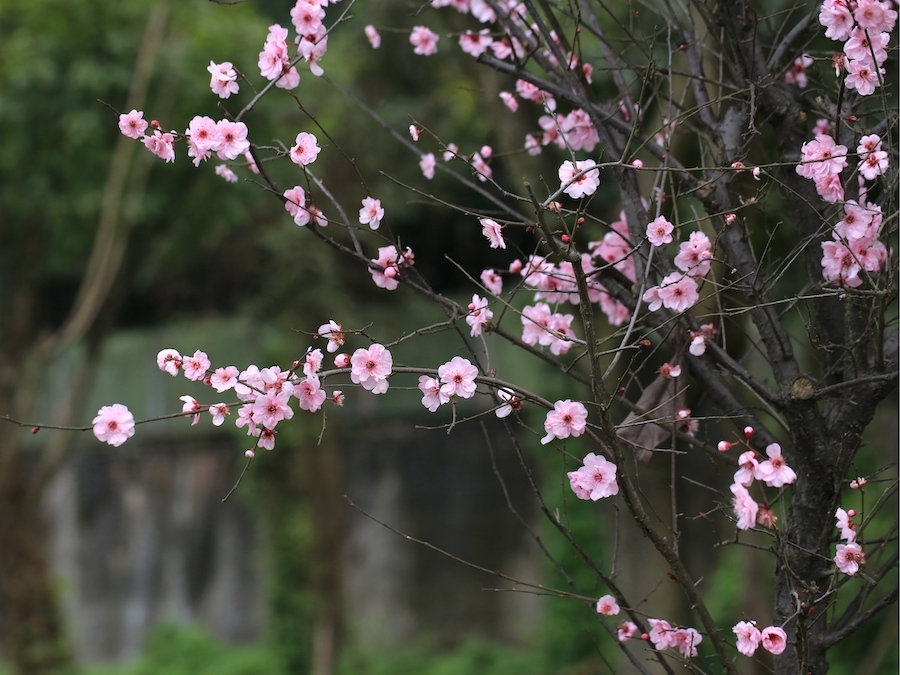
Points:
[[678, 292], [561, 334], [607, 606], [863, 76], [660, 633], [744, 507], [585, 184], [195, 366], [857, 483], [626, 631], [659, 231], [387, 260], [845, 524], [426, 164], [596, 479], [479, 315], [373, 36], [748, 637], [695, 255], [492, 230], [534, 324], [796, 74], [224, 379], [371, 368], [685, 640], [312, 362], [482, 169], [245, 419], [424, 41], [114, 424], [169, 361], [849, 557], [232, 139], [310, 394], [335, 334], [840, 264], [862, 45], [492, 281], [371, 213], [432, 396], [219, 412], [511, 403], [766, 517], [774, 639], [251, 163], [295, 204], [509, 100], [203, 138], [458, 378], [836, 18], [568, 418], [698, 345], [313, 50], [774, 471], [191, 407], [821, 157], [160, 144], [475, 44], [304, 151], [307, 15], [133, 124], [669, 372], [875, 15], [747, 471], [874, 165], [223, 81], [272, 407], [290, 79], [266, 439], [342, 360], [223, 171]]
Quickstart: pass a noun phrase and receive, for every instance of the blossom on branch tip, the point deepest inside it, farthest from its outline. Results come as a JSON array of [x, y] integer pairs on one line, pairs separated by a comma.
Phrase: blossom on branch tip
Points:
[[371, 213], [568, 418], [161, 145], [748, 637], [659, 231], [424, 41], [133, 124], [479, 315], [219, 412], [373, 36], [335, 334], [745, 508], [426, 164], [492, 230], [774, 471], [114, 424], [223, 80], [458, 378], [191, 407], [295, 204], [849, 557], [195, 366], [774, 639], [232, 139], [626, 631]]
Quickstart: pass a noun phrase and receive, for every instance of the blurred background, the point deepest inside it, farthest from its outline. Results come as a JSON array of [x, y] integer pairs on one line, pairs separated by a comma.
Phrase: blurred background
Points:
[[130, 560]]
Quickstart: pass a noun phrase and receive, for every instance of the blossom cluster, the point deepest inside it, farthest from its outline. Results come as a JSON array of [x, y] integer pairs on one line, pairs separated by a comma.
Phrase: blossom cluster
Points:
[[679, 291], [865, 27], [849, 555], [774, 472], [773, 639]]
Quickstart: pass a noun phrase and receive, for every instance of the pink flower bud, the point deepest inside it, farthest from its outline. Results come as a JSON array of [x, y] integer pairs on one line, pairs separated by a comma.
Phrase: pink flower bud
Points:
[[748, 432], [730, 218], [250, 454], [724, 446], [342, 360], [390, 272]]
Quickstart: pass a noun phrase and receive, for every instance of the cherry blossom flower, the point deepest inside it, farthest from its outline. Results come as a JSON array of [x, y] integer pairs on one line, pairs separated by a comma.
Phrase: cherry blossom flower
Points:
[[232, 139], [535, 321], [659, 231], [295, 204], [596, 479], [335, 334], [304, 151], [744, 507], [426, 164], [309, 394], [133, 124], [585, 184], [774, 471], [272, 407], [371, 368], [373, 36], [266, 439], [766, 517], [169, 361], [223, 81], [626, 631], [114, 424], [224, 378], [669, 372], [203, 138], [160, 144], [857, 483], [219, 412], [492, 230], [223, 171], [698, 345], [863, 76], [371, 213], [432, 396], [748, 464], [660, 633], [307, 15], [695, 255], [386, 277], [821, 157], [685, 640], [849, 557], [273, 59], [479, 315], [509, 100], [796, 74], [192, 407], [677, 292], [568, 418], [846, 525], [312, 362], [492, 281], [748, 637], [512, 402], [607, 606], [195, 366], [458, 378], [875, 15], [774, 640], [424, 41], [475, 44], [836, 18]]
